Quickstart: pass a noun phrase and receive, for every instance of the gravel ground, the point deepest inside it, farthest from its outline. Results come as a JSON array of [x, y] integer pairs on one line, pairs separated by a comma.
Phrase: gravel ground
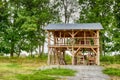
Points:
[[84, 72]]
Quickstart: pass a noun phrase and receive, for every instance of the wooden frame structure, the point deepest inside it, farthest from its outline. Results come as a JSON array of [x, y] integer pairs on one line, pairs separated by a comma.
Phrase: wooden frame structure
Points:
[[77, 41]]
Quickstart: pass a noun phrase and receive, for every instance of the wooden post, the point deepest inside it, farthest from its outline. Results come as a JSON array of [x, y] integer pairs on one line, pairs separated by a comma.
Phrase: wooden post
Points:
[[52, 56], [48, 56], [84, 38], [73, 55], [56, 52], [48, 48], [98, 51], [64, 39]]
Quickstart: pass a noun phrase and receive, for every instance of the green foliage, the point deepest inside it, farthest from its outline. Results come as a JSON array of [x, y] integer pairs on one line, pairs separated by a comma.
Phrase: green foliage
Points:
[[22, 23], [46, 74], [112, 71], [110, 59], [93, 11], [43, 57], [68, 59]]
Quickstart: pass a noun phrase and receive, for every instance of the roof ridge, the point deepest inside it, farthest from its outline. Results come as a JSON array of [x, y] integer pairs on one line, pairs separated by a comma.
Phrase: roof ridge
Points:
[[69, 26]]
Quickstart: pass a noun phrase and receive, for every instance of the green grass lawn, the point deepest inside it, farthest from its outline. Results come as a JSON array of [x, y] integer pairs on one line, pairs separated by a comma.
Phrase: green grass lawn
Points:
[[48, 74], [112, 71], [112, 66], [26, 69]]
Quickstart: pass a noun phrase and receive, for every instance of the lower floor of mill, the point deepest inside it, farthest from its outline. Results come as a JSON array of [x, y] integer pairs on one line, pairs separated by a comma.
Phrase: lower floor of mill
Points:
[[74, 55]]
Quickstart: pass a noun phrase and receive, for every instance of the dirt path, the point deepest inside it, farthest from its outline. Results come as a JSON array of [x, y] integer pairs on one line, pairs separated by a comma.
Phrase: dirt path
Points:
[[85, 72]]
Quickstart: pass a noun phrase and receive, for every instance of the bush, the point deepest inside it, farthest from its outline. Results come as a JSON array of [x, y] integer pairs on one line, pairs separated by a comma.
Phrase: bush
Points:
[[110, 59], [68, 59]]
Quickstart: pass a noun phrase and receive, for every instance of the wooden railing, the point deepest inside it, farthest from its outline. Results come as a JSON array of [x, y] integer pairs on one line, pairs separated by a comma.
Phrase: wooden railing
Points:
[[76, 41]]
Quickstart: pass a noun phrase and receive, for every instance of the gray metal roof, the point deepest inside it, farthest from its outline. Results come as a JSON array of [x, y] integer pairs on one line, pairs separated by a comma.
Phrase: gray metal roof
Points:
[[91, 26]]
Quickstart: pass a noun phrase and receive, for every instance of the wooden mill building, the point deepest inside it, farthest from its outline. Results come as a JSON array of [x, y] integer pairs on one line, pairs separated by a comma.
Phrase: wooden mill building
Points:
[[80, 40]]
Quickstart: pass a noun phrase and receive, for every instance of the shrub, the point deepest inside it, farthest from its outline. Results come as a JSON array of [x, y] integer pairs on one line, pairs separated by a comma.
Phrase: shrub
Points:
[[110, 59]]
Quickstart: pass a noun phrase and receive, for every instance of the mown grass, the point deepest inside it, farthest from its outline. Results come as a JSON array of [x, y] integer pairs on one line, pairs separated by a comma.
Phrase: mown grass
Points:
[[58, 71], [112, 66], [112, 71], [26, 69], [48, 74], [10, 67]]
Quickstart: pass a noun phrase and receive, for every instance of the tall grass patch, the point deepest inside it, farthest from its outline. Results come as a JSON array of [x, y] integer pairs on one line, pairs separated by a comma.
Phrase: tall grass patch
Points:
[[110, 59]]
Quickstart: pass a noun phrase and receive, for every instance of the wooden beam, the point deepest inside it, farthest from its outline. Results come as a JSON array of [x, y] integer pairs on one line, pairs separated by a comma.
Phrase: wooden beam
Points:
[[70, 33], [48, 48], [91, 31], [48, 62], [98, 37], [73, 56], [94, 50], [76, 32], [77, 51], [52, 56], [84, 37], [98, 57], [56, 52], [48, 38], [98, 50], [73, 34], [75, 46]]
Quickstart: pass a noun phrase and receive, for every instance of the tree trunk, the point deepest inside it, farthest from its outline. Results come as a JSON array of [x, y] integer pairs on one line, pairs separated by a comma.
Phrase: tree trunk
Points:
[[19, 51], [103, 47], [43, 48], [65, 10], [39, 50], [31, 51], [12, 50]]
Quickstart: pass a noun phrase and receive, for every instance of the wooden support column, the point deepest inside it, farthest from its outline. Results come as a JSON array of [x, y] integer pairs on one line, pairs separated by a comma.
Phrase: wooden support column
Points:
[[98, 50], [73, 55], [84, 38], [64, 57], [54, 38], [54, 51], [57, 59], [48, 48], [52, 56], [64, 39]]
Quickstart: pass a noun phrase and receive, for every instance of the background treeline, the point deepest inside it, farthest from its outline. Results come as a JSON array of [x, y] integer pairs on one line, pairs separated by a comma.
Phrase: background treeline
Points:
[[22, 22]]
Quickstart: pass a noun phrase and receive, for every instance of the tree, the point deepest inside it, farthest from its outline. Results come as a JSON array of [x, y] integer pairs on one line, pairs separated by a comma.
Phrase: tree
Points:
[[42, 13], [116, 29], [4, 24], [98, 11], [67, 9]]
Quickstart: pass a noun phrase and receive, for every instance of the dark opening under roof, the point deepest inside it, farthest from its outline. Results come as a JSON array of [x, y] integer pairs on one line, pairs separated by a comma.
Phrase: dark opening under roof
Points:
[[83, 26]]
